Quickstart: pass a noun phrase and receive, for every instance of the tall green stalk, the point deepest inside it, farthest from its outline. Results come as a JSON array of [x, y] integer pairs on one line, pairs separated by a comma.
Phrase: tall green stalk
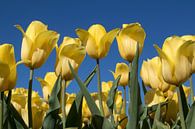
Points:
[[192, 90], [125, 99], [30, 120], [63, 99], [99, 88], [1, 109]]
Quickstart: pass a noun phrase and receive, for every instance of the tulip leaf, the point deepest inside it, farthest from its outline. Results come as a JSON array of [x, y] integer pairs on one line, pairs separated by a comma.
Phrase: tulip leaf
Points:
[[183, 107], [99, 122], [190, 120], [135, 99], [112, 92], [74, 118], [90, 102], [51, 118], [156, 117], [144, 119], [144, 88]]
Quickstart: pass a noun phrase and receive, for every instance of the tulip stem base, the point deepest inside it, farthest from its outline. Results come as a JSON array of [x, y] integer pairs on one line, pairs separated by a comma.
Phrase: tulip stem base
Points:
[[30, 121], [192, 90], [63, 99], [99, 88], [1, 109]]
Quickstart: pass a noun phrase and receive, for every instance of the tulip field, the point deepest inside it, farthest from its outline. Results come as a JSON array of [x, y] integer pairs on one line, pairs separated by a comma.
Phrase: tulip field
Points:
[[168, 103]]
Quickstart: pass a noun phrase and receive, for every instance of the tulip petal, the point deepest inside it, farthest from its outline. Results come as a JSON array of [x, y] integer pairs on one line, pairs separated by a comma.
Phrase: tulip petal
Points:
[[34, 29], [38, 58], [106, 42], [27, 43], [83, 35], [97, 31]]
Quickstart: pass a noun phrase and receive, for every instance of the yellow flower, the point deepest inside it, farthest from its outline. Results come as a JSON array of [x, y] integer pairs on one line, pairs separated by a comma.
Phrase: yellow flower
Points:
[[127, 39], [47, 84], [69, 101], [151, 74], [118, 118], [189, 48], [106, 86], [154, 97], [123, 70], [97, 40], [37, 44], [71, 50], [176, 68], [39, 107], [8, 73]]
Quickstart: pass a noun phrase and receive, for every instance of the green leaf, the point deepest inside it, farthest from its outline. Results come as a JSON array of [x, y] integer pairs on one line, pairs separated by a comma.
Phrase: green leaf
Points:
[[99, 122], [183, 107], [160, 125], [144, 88], [135, 99], [52, 116], [90, 102], [156, 117], [111, 94], [190, 120], [74, 118]]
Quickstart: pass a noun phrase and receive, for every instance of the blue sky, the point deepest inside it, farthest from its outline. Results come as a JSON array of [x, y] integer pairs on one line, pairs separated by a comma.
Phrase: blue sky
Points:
[[160, 19]]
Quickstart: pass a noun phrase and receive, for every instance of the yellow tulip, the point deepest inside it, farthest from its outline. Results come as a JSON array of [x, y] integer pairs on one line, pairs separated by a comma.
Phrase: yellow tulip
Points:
[[106, 86], [190, 49], [47, 84], [118, 118], [71, 50], [123, 70], [8, 74], [69, 101], [39, 107], [176, 68], [128, 38], [97, 40], [37, 44], [154, 97], [151, 74]]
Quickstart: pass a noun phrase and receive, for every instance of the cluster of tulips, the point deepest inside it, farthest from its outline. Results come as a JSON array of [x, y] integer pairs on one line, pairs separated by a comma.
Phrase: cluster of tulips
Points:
[[166, 104]]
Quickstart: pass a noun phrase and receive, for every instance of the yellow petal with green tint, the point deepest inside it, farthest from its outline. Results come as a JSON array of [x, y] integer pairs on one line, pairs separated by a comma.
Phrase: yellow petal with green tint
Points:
[[88, 40], [136, 32], [27, 44], [106, 42], [97, 31], [34, 29]]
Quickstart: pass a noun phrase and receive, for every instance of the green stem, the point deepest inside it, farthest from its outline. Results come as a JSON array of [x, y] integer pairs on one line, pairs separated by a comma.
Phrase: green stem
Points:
[[181, 114], [1, 109], [63, 103], [130, 67], [9, 97], [125, 98], [192, 90], [30, 120], [99, 88]]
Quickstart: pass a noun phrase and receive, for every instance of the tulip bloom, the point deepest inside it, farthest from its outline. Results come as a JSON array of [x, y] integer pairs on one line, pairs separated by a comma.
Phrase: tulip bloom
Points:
[[47, 84], [151, 74], [176, 68], [123, 70], [37, 44], [97, 40], [128, 38], [71, 50], [8, 73]]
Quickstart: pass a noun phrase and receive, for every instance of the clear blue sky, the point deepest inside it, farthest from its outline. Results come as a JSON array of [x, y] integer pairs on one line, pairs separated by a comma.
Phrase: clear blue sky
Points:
[[160, 19]]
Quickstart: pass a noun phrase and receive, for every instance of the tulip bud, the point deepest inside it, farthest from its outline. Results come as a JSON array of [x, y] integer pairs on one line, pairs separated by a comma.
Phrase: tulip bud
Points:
[[8, 74], [127, 40], [97, 40], [70, 51], [123, 70], [37, 44]]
